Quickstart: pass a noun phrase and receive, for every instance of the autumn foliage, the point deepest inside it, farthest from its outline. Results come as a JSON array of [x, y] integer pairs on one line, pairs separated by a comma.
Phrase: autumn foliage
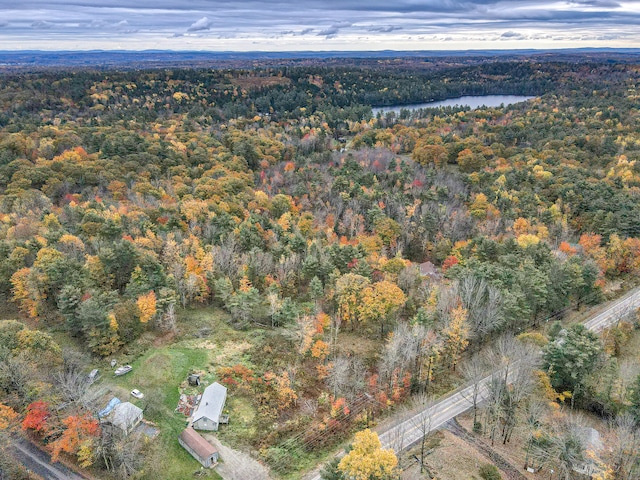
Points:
[[77, 436], [36, 417]]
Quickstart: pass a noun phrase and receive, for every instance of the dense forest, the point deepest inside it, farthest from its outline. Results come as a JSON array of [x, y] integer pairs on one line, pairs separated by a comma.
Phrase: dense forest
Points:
[[270, 199]]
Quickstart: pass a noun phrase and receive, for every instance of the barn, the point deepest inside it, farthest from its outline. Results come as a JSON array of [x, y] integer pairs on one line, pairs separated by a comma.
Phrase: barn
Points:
[[198, 447]]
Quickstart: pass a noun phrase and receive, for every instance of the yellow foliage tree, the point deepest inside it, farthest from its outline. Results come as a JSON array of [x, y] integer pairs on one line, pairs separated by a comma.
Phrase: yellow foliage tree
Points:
[[479, 206], [24, 294], [367, 459], [521, 226], [147, 306], [455, 335], [528, 239], [379, 301], [349, 288], [8, 418]]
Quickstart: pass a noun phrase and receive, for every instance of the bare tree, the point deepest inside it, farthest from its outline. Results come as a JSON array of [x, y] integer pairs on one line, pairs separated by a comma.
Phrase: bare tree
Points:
[[167, 321], [226, 258], [509, 385], [628, 373], [493, 404], [473, 371], [534, 413], [565, 448], [624, 448], [121, 454], [397, 440], [409, 349], [483, 302], [422, 423], [71, 381], [346, 377]]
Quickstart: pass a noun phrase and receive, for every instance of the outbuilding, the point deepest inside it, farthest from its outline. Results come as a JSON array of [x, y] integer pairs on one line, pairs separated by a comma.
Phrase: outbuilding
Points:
[[198, 447], [208, 415], [123, 415], [194, 380]]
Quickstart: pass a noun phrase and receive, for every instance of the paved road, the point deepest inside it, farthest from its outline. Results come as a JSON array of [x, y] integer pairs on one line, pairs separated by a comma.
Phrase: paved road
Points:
[[410, 431], [39, 462]]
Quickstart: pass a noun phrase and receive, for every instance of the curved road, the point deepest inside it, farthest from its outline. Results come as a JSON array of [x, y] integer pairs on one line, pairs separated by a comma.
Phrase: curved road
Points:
[[412, 429]]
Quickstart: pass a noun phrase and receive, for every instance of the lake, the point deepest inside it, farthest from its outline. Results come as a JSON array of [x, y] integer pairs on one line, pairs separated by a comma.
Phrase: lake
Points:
[[469, 101]]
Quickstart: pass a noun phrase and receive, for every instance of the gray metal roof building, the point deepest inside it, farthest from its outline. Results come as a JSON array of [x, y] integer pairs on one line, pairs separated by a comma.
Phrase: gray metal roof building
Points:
[[207, 414]]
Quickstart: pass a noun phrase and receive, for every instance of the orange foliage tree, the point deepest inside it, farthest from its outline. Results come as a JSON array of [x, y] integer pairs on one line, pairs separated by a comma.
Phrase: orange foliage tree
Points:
[[36, 417], [77, 438]]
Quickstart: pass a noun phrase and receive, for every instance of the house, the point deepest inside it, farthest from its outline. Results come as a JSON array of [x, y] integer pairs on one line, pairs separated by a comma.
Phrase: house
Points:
[[208, 414], [428, 269], [123, 415], [198, 447]]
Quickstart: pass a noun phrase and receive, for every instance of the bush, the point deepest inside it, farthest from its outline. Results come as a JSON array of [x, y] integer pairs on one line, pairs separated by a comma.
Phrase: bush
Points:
[[477, 427], [490, 472]]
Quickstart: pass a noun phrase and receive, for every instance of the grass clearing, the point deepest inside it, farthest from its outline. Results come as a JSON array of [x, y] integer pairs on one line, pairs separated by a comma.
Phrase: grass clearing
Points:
[[241, 427]]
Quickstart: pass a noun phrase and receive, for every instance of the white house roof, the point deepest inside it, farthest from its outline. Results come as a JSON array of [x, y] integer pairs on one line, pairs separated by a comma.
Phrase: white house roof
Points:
[[212, 403], [124, 415]]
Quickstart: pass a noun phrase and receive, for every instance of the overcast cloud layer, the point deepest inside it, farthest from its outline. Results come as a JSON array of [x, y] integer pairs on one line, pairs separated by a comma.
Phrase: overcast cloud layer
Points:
[[279, 25]]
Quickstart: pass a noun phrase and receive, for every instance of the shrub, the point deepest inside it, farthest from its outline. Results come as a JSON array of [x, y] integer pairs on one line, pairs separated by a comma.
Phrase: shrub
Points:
[[490, 472]]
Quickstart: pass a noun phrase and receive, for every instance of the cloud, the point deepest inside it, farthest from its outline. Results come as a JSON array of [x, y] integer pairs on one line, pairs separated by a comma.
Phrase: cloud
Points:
[[203, 24], [328, 32], [383, 28], [511, 35], [333, 30], [305, 24], [42, 25], [597, 3]]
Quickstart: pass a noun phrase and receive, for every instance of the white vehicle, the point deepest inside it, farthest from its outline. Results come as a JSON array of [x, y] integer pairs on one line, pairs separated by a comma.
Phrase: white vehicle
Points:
[[137, 393], [123, 369]]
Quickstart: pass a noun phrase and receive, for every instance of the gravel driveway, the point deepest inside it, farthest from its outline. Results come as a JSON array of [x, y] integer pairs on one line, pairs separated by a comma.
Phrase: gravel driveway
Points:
[[236, 465]]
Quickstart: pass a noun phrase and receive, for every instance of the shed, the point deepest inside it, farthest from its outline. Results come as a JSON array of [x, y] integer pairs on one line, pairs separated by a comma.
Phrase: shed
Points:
[[194, 379], [208, 414], [198, 447], [123, 415]]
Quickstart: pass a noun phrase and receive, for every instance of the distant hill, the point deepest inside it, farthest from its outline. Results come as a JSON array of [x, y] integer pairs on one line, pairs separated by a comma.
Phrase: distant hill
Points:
[[157, 58]]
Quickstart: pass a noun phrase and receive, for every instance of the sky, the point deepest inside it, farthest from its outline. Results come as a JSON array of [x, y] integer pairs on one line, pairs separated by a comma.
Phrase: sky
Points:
[[298, 25]]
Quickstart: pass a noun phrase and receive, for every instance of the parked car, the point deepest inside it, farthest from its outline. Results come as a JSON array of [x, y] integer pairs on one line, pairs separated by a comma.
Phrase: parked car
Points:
[[137, 393], [93, 375], [123, 369]]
